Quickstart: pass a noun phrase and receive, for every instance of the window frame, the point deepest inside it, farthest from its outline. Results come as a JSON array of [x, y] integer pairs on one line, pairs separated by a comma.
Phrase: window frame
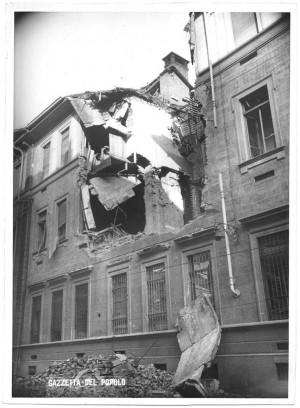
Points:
[[53, 290], [39, 212], [58, 202], [73, 330], [240, 121], [145, 265], [47, 145], [214, 274], [254, 234], [111, 277], [33, 296], [62, 131]]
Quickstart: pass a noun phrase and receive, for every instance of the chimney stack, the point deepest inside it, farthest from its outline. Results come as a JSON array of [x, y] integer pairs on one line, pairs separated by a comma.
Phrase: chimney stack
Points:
[[181, 64]]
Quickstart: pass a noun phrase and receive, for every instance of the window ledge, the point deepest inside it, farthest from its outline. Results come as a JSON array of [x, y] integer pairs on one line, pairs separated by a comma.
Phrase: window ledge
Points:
[[41, 252], [63, 242], [278, 154]]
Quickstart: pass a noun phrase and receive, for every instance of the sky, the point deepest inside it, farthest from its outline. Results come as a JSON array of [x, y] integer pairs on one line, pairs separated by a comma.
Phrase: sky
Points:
[[61, 53]]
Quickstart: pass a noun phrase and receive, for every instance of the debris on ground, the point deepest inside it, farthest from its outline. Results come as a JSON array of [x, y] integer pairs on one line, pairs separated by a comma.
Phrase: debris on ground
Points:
[[113, 376]]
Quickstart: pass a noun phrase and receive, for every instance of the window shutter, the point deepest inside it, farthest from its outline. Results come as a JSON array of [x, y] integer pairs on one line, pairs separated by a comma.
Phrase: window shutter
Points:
[[244, 27]]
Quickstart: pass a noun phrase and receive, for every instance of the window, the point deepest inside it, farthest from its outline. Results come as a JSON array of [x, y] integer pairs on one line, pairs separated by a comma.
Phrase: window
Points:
[[200, 275], [273, 253], [31, 370], [46, 160], [35, 319], [119, 292], [157, 302], [42, 230], [61, 220], [81, 311], [65, 146], [259, 123], [56, 318], [282, 370], [244, 26]]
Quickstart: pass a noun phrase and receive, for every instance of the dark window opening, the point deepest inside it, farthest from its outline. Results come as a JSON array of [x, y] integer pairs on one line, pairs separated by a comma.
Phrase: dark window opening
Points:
[[31, 370], [264, 176], [120, 351], [79, 355], [210, 373], [81, 311], [61, 220], [56, 320], [160, 366], [42, 230], [157, 298], [46, 160], [35, 319], [33, 357], [282, 370], [274, 258], [65, 146], [119, 292], [200, 275], [128, 216], [248, 58], [258, 117], [283, 346]]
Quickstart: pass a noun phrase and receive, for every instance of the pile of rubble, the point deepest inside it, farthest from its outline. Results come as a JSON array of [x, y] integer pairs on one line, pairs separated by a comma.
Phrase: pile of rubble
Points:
[[112, 376]]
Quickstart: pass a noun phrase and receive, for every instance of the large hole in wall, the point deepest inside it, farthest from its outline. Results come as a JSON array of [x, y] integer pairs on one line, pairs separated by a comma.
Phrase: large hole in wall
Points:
[[128, 216]]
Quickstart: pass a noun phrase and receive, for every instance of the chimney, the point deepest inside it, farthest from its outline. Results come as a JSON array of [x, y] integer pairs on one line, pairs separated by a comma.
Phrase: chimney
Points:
[[178, 62]]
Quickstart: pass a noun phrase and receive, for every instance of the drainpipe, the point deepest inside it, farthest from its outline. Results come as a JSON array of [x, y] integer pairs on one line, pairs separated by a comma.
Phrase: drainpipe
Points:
[[18, 200], [235, 291], [211, 73]]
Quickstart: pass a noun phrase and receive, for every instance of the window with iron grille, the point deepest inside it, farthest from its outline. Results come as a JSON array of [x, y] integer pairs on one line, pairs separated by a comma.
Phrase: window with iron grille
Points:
[[61, 219], [200, 275], [35, 319], [46, 160], [81, 311], [65, 145], [157, 302], [42, 229], [119, 294], [274, 259], [56, 319], [259, 123]]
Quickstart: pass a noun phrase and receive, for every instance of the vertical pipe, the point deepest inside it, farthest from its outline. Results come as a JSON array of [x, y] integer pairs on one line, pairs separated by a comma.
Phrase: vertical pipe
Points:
[[210, 72], [235, 292]]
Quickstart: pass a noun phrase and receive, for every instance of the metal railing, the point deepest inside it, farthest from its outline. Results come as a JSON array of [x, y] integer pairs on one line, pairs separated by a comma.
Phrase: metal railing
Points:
[[157, 302]]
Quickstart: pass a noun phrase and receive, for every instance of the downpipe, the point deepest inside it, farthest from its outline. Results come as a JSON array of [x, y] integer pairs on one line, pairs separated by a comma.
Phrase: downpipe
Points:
[[236, 293]]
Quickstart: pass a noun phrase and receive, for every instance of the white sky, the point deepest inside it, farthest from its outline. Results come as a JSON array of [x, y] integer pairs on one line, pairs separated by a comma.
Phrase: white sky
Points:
[[60, 53]]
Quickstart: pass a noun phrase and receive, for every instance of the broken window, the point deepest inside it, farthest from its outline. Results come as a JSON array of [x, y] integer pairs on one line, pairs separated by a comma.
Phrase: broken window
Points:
[[274, 258], [35, 319], [65, 144], [157, 299], [61, 220], [258, 118], [46, 160], [81, 311], [119, 292], [56, 318], [200, 275], [42, 230]]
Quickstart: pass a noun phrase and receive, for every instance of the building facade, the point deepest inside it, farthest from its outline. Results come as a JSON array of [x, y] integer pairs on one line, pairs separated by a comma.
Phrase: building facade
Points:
[[118, 220]]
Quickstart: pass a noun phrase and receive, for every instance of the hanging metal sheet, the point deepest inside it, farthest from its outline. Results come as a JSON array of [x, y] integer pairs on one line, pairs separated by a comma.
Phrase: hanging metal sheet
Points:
[[113, 190]]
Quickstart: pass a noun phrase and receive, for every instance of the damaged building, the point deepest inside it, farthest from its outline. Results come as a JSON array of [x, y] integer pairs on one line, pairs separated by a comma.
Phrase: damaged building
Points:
[[119, 222]]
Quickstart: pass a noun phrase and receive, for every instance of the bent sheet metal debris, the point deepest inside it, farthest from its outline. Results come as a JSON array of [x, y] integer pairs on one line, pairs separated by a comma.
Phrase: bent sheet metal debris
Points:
[[198, 338]]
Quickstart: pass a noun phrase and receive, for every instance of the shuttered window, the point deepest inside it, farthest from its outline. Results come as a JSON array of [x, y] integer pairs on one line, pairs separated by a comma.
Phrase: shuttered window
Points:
[[56, 318], [200, 275], [119, 291], [157, 302], [35, 319], [244, 27], [61, 220], [42, 230], [274, 259], [65, 146], [46, 160], [81, 311]]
